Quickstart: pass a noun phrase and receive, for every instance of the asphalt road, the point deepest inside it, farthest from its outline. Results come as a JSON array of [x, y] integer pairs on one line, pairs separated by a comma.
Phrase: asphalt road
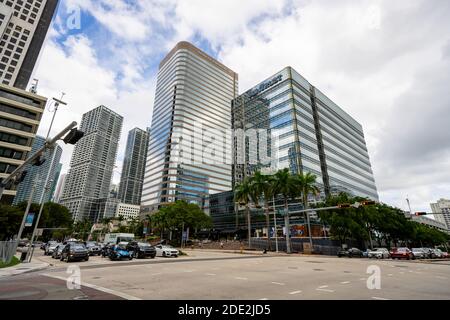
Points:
[[212, 275]]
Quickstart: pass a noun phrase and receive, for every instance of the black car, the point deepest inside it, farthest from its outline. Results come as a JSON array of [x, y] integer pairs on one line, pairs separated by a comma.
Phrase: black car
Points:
[[142, 250], [94, 249], [75, 252], [350, 253]]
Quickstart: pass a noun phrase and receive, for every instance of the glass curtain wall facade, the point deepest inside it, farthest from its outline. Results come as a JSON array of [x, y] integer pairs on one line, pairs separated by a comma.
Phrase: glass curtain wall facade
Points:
[[194, 92], [36, 175], [130, 189], [306, 131]]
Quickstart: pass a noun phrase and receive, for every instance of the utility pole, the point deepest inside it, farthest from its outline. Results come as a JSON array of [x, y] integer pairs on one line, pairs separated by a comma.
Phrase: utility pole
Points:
[[47, 187], [275, 225]]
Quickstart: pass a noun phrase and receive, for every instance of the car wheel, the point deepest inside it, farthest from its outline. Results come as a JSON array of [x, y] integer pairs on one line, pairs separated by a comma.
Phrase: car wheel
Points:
[[164, 254], [87, 258], [153, 256]]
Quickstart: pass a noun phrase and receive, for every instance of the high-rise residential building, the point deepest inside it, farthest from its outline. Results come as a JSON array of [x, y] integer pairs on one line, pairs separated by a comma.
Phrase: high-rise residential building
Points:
[[193, 96], [306, 132], [37, 175], [20, 115], [92, 164], [133, 169], [59, 188], [23, 28], [441, 210], [127, 211]]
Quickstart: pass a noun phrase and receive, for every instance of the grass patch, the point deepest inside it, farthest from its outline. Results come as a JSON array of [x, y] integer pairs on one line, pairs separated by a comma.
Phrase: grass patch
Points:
[[13, 262]]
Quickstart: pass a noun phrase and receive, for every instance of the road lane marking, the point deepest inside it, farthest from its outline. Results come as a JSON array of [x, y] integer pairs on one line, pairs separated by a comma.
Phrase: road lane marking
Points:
[[390, 275], [323, 287], [156, 274], [324, 290], [363, 279], [295, 292], [279, 283], [240, 278], [93, 286], [264, 299], [378, 298], [211, 274]]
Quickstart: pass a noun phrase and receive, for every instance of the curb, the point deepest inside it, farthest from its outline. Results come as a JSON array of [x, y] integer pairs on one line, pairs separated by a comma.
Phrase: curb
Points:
[[20, 272]]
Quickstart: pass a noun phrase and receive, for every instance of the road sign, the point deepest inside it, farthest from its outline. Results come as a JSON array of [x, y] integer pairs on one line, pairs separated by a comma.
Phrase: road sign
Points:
[[29, 219]]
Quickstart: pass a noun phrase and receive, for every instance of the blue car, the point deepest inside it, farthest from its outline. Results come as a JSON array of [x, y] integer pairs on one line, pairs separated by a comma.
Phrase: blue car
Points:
[[120, 252]]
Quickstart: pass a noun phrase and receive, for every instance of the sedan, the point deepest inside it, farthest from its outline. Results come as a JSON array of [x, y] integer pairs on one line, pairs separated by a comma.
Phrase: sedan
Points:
[[166, 251], [419, 253], [119, 252], [50, 248], [58, 251], [350, 253], [379, 253], [402, 253], [437, 253], [94, 249]]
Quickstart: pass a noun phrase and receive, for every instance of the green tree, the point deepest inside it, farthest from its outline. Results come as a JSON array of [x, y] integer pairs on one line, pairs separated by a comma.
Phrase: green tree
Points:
[[10, 220], [263, 187], [244, 194], [307, 185]]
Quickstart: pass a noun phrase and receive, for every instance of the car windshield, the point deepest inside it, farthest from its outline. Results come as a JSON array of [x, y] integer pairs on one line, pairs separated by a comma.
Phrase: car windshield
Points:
[[141, 244], [417, 249], [122, 246], [78, 247]]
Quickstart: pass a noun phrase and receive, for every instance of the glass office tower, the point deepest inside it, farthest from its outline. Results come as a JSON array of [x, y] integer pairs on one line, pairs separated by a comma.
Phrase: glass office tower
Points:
[[306, 132], [193, 94]]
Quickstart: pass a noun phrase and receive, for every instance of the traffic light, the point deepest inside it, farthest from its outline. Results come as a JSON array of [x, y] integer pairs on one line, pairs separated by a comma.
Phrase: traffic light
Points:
[[21, 177], [73, 136], [344, 205], [368, 203], [39, 161], [421, 214]]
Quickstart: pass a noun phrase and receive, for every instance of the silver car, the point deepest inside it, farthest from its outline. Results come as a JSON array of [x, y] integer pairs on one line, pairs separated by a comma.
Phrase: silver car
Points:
[[419, 253], [379, 253]]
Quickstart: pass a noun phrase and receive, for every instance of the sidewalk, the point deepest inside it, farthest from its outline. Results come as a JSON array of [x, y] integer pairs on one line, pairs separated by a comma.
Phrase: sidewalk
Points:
[[23, 268]]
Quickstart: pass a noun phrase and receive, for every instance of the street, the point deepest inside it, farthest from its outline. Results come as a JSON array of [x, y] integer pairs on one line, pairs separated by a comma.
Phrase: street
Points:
[[215, 275]]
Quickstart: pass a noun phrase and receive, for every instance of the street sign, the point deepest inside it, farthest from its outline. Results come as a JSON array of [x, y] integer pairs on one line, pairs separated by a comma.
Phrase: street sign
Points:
[[39, 232], [29, 220]]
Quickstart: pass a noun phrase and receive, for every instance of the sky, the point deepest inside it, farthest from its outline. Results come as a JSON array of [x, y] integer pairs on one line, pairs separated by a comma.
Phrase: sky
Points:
[[386, 63]]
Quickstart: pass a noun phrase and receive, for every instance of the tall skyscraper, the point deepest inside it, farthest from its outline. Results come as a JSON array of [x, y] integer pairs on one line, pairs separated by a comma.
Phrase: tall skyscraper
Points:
[[20, 115], [92, 164], [306, 132], [59, 188], [36, 175], [23, 28], [442, 211], [133, 169], [193, 92]]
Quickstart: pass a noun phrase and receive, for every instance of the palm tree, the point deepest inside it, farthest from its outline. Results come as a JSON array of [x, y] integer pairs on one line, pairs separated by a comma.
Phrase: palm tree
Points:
[[307, 184], [285, 185], [244, 194], [263, 187]]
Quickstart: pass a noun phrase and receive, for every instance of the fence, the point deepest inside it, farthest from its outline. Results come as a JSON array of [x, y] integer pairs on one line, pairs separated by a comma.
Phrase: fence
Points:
[[321, 246], [8, 250]]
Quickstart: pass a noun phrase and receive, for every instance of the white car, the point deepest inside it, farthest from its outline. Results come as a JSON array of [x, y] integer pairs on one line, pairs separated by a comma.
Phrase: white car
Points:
[[379, 253], [166, 251]]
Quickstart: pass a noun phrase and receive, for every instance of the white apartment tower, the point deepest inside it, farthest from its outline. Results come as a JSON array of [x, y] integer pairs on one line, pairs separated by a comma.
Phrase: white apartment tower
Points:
[[92, 164]]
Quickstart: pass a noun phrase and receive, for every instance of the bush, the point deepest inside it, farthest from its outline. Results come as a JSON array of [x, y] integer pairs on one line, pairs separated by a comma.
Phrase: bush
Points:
[[13, 262]]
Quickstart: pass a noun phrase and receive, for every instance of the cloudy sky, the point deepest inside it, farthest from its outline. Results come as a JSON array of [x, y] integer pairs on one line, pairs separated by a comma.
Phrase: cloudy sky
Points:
[[387, 63]]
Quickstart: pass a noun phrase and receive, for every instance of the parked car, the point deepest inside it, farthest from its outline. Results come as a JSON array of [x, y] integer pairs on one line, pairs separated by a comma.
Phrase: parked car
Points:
[[428, 253], [402, 253], [350, 253], [119, 252], [74, 252], [445, 255], [42, 247], [437, 253], [50, 248], [419, 253], [93, 248], [58, 251], [379, 253], [166, 251], [142, 250]]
